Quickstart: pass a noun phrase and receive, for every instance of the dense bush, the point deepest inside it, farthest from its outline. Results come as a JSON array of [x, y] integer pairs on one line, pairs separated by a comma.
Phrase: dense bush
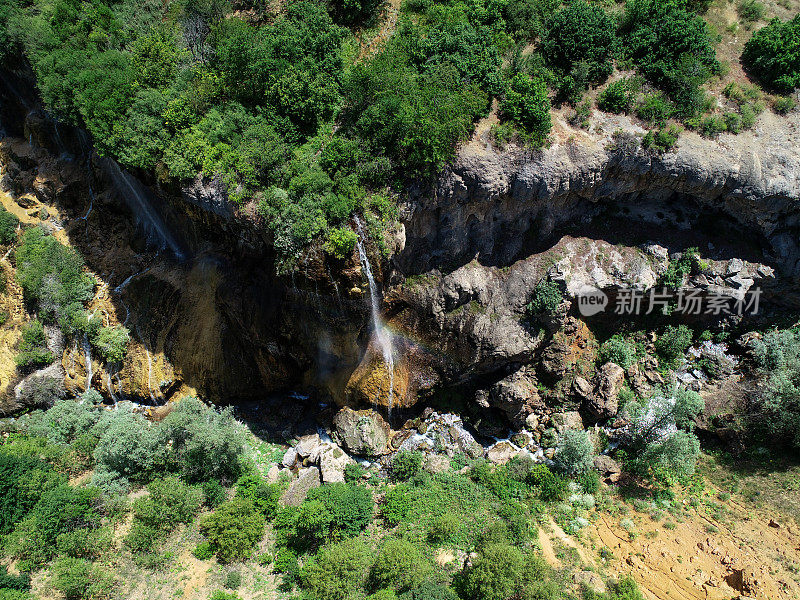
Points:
[[773, 54], [263, 495], [33, 351], [169, 503], [777, 417], [22, 480], [51, 275], [405, 465], [551, 487], [396, 504], [64, 423], [619, 96], [546, 298], [575, 452], [400, 566], [111, 343], [581, 32], [234, 529], [526, 104], [500, 572], [350, 506], [619, 350], [128, 447], [338, 571], [673, 342], [672, 47], [204, 443], [79, 579], [8, 222], [525, 19]]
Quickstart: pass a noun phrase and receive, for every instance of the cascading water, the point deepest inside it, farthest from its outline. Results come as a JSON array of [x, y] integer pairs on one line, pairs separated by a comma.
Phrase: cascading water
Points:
[[144, 211], [382, 334], [87, 352]]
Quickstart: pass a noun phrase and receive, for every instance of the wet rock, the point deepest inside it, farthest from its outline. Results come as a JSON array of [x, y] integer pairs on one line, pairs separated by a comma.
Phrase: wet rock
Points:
[[516, 395], [307, 444], [307, 479], [332, 461], [501, 453], [289, 458], [363, 432]]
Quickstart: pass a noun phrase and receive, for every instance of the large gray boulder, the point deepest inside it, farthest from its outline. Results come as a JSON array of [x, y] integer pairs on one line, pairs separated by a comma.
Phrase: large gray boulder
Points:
[[361, 432]]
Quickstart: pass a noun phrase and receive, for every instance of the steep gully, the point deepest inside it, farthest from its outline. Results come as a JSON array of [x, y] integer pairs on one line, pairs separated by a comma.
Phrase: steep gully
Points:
[[475, 245]]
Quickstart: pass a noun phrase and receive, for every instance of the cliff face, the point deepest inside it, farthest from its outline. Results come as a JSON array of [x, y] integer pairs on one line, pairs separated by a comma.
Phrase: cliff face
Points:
[[590, 209]]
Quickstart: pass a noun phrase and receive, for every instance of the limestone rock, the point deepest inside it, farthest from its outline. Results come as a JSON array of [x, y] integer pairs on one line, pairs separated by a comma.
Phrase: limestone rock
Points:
[[607, 467], [332, 461], [603, 404], [363, 432], [566, 420], [436, 463], [516, 395], [289, 458], [501, 453], [307, 444], [307, 479]]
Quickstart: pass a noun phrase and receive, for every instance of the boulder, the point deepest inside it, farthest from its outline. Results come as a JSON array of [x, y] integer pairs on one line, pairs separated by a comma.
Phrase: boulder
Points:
[[501, 453], [307, 445], [603, 403], [362, 432], [581, 388], [289, 458], [517, 395], [607, 467], [436, 463], [332, 461], [307, 479], [566, 420]]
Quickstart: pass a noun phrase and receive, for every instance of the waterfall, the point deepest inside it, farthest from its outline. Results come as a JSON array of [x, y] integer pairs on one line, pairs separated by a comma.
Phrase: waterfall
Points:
[[87, 352], [150, 375], [144, 211], [382, 334], [110, 386]]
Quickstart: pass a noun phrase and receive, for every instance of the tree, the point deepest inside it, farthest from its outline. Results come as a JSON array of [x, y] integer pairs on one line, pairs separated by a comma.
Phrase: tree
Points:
[[79, 579], [496, 574], [581, 32], [527, 105], [400, 566], [338, 571], [33, 351], [773, 54], [234, 529], [128, 446], [8, 221], [350, 506], [112, 343]]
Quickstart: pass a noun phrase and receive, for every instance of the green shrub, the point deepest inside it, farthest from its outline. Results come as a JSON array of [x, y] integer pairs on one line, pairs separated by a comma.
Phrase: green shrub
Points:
[[312, 525], [233, 580], [63, 423], [340, 242], [547, 296], [773, 54], [783, 104], [581, 32], [575, 453], [79, 579], [405, 465], [551, 487], [354, 473], [777, 418], [525, 18], [203, 551], [624, 589], [618, 350], [527, 105], [22, 481], [497, 573], [662, 140], [751, 11], [712, 126], [85, 543], [112, 343], [431, 591], [33, 350], [350, 506], [128, 446], [396, 504], [213, 493], [400, 566], [20, 582], [654, 108], [444, 528], [222, 595], [51, 275], [338, 571], [673, 342], [8, 227], [733, 122], [169, 503], [234, 529], [263, 495], [204, 443], [619, 96]]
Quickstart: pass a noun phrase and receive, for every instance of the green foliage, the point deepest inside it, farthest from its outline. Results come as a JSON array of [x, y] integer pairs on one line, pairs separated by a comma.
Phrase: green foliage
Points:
[[405, 465], [353, 12], [354, 472], [500, 572], [129, 446], [8, 221], [551, 487], [662, 140], [581, 32], [51, 275], [79, 579], [773, 54], [619, 350], [222, 595], [783, 104], [672, 47], [233, 580], [350, 506], [203, 551], [33, 350], [525, 19], [575, 452], [341, 242], [338, 571], [214, 493], [400, 566], [673, 342], [112, 343], [396, 504], [624, 589], [204, 443], [444, 528], [22, 481], [527, 105], [234, 529], [546, 298], [20, 582], [654, 108], [679, 270], [63, 423], [263, 495], [751, 11], [619, 96], [169, 503], [777, 355]]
